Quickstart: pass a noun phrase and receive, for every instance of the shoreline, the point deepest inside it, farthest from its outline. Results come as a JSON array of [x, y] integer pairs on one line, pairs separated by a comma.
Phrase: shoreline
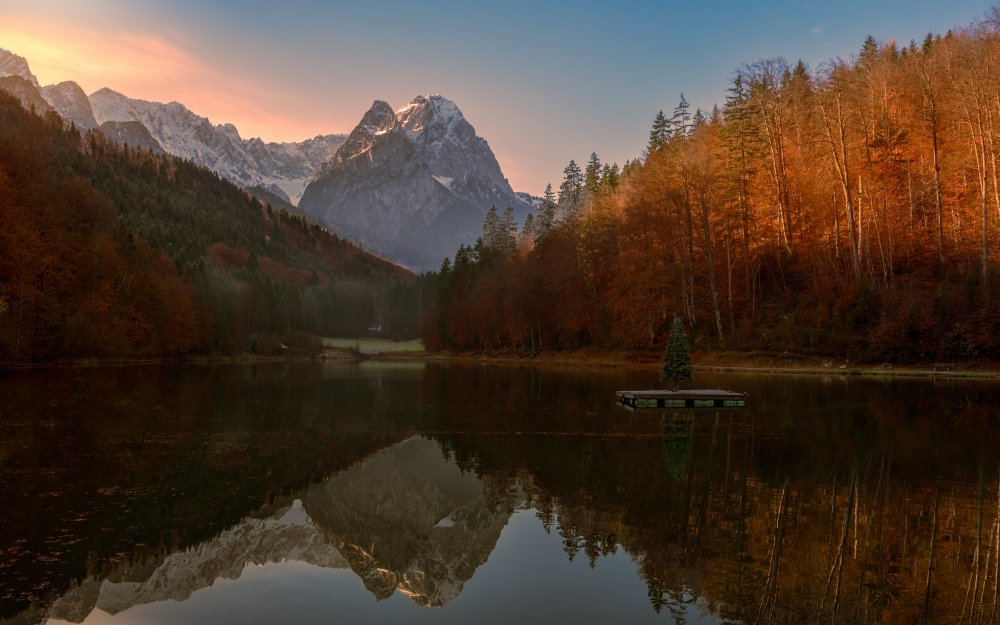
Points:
[[721, 362], [729, 362]]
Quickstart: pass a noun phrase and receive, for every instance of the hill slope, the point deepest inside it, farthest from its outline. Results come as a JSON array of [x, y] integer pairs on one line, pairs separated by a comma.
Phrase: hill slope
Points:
[[110, 251]]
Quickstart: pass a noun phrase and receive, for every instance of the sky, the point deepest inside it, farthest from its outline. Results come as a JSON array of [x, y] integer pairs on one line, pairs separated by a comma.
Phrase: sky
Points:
[[542, 82]]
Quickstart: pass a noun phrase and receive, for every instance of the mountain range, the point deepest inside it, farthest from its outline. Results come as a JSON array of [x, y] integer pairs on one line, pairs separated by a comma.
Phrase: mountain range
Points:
[[410, 185]]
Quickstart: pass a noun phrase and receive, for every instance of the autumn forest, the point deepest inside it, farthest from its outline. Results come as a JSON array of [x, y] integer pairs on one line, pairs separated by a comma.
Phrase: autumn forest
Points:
[[848, 210], [109, 251]]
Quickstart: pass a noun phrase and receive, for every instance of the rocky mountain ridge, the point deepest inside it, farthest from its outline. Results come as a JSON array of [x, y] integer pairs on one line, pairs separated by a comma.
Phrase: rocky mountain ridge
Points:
[[283, 169], [412, 184]]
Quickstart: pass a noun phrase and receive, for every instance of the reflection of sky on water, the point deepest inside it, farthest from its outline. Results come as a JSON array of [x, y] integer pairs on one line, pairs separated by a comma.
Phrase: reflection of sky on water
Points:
[[527, 579]]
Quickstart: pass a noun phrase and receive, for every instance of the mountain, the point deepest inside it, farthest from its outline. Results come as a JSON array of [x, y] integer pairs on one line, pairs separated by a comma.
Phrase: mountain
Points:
[[27, 94], [531, 200], [131, 133], [70, 101], [411, 185], [281, 168], [16, 78], [287, 535], [14, 65], [408, 519]]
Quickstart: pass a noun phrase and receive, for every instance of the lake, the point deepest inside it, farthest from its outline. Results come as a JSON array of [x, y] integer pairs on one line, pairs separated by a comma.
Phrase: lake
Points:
[[435, 493]]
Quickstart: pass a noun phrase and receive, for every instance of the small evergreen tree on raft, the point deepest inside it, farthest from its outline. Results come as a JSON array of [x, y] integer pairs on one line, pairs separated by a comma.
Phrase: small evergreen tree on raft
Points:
[[676, 365]]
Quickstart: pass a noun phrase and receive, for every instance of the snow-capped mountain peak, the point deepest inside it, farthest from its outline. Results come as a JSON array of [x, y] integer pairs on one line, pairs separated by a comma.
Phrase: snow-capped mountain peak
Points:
[[427, 111], [411, 184]]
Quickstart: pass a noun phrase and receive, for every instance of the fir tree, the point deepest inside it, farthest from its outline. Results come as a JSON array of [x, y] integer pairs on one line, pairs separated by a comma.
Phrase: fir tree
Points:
[[592, 177], [928, 43], [610, 177], [698, 121], [659, 135], [442, 300], [546, 214], [869, 53], [528, 229], [676, 365], [571, 189], [680, 122], [499, 232], [507, 239]]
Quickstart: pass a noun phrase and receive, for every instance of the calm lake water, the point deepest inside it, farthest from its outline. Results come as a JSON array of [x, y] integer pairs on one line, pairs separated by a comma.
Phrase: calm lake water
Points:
[[412, 493]]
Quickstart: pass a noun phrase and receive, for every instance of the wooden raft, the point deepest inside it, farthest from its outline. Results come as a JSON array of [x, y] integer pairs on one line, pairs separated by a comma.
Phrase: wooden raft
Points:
[[702, 398]]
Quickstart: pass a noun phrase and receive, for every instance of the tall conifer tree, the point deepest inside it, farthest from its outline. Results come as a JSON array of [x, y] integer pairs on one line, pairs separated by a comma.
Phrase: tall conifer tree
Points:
[[659, 135], [592, 177], [676, 364], [571, 189]]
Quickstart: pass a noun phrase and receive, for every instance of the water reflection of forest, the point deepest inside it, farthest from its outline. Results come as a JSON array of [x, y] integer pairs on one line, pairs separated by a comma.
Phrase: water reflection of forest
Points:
[[719, 513]]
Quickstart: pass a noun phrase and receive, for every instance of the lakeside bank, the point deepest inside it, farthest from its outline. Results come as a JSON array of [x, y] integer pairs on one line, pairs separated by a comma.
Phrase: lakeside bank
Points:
[[782, 363]]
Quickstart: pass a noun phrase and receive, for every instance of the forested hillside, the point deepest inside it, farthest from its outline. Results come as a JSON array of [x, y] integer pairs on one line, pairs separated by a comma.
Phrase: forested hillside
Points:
[[850, 210], [110, 251]]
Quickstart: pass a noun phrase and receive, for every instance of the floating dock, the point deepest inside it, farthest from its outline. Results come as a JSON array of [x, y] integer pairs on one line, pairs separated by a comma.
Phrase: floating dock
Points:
[[634, 400]]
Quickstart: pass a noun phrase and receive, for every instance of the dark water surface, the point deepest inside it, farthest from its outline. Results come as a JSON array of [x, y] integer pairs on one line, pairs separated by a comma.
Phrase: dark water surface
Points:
[[383, 493]]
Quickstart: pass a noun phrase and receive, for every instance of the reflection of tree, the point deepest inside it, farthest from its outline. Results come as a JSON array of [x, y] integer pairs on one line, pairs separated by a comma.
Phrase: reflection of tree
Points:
[[812, 520], [677, 445]]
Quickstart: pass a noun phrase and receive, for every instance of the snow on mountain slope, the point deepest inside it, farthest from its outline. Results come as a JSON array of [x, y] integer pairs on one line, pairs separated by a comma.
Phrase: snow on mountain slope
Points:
[[283, 168], [411, 185], [288, 535], [14, 65]]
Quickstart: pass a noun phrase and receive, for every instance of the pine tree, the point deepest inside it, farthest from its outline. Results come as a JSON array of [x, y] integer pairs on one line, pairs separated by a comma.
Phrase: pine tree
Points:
[[546, 214], [928, 43], [698, 121], [680, 122], [442, 300], [528, 229], [869, 50], [491, 228], [499, 232], [571, 189], [630, 166], [610, 177], [659, 135], [592, 177], [507, 237], [676, 365]]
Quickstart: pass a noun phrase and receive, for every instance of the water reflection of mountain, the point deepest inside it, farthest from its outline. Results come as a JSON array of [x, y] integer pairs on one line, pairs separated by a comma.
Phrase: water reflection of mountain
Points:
[[288, 534], [404, 519], [409, 519]]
